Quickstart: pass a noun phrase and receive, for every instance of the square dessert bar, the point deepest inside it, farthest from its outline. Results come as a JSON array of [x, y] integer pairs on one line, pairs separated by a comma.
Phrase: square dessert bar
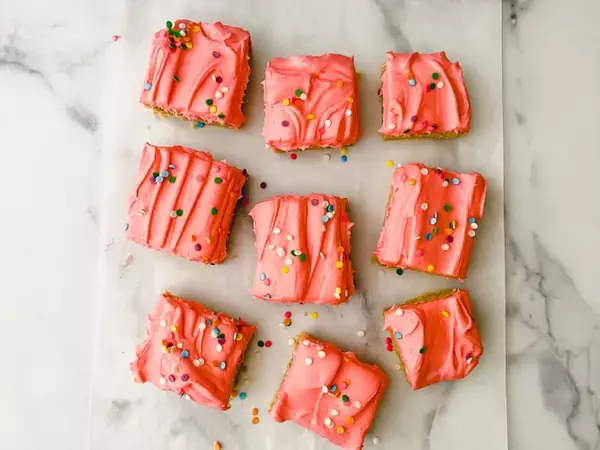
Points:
[[198, 71], [329, 392], [311, 102], [431, 220], [435, 337], [183, 203], [192, 351], [423, 95], [303, 245]]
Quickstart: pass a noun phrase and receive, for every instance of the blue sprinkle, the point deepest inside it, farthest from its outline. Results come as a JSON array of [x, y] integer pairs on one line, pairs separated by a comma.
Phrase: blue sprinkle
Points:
[[208, 322], [455, 181], [333, 388], [126, 226], [243, 396], [432, 221], [172, 166], [263, 277], [147, 86], [472, 220], [325, 219], [185, 354], [200, 124], [398, 335], [412, 82], [344, 158], [159, 179], [428, 236], [164, 173], [223, 365]]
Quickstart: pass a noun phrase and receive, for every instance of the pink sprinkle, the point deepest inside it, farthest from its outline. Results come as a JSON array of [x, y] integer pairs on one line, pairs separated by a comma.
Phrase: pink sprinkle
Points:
[[403, 177], [288, 314], [267, 282], [343, 385], [322, 130], [344, 218], [419, 252], [390, 348], [388, 340], [268, 344], [116, 37], [293, 156], [199, 178], [217, 169], [413, 119]]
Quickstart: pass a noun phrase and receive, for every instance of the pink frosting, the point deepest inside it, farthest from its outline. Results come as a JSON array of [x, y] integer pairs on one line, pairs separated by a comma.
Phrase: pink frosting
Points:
[[311, 101], [184, 353], [437, 339], [412, 107], [431, 220], [189, 211], [303, 246], [315, 386], [202, 75]]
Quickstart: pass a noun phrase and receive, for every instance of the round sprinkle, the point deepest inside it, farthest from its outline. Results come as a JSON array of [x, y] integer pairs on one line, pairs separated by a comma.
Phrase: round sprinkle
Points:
[[350, 420], [340, 430], [327, 123], [280, 251], [169, 24], [376, 440], [214, 211], [311, 116], [360, 333], [289, 261], [197, 247], [288, 314], [147, 86], [321, 354], [285, 269], [306, 342], [302, 257], [447, 207], [263, 277], [212, 109], [202, 325], [424, 206], [389, 348], [218, 180], [345, 398], [328, 422], [424, 171], [163, 380], [219, 80], [432, 221], [339, 265], [255, 420], [430, 268], [291, 342], [263, 185], [243, 395], [268, 344], [223, 365], [261, 344], [432, 86], [325, 219], [303, 97], [399, 311], [343, 158], [209, 101], [308, 361], [334, 412], [198, 362], [276, 230], [471, 233], [159, 179], [314, 315], [348, 112], [413, 119], [391, 126], [445, 247], [200, 124], [224, 89], [435, 75], [428, 236], [455, 181], [254, 411], [286, 101], [216, 54], [422, 350], [398, 335], [293, 156], [399, 271], [340, 83], [474, 226], [171, 378], [472, 220], [412, 82], [445, 183], [449, 239], [285, 123], [440, 85], [390, 163], [357, 404], [164, 173], [185, 354], [469, 358], [218, 94]]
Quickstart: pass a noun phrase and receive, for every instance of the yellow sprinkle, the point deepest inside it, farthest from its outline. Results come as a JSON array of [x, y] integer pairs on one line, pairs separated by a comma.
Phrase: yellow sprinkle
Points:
[[239, 337], [286, 101], [217, 446], [340, 83], [285, 269], [448, 231], [311, 116], [186, 39], [351, 99], [350, 420], [390, 163], [189, 45], [430, 268], [173, 328], [340, 430], [344, 151], [412, 181], [446, 314], [213, 109], [338, 290], [314, 315], [196, 28], [207, 239], [339, 265]]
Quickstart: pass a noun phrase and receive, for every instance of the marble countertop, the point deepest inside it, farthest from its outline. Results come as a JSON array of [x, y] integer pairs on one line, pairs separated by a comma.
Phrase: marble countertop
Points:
[[51, 72]]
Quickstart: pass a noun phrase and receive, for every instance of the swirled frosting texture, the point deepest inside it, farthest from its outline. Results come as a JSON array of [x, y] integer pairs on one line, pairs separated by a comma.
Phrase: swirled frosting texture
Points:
[[431, 220], [436, 339], [330, 393], [183, 203], [423, 94], [303, 246], [202, 75], [311, 102], [192, 351]]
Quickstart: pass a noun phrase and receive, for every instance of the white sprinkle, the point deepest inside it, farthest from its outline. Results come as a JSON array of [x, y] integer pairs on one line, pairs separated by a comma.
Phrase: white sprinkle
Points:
[[376, 440], [319, 346], [218, 94], [187, 397], [424, 206], [327, 123], [328, 422], [321, 354], [469, 360], [330, 215], [179, 345], [306, 342], [327, 156], [399, 311], [182, 26], [289, 261], [219, 348], [360, 333], [445, 247], [336, 295], [224, 89], [270, 247], [472, 233], [445, 183], [202, 325], [348, 112], [280, 251], [391, 126], [325, 204], [303, 97], [183, 33], [297, 252], [357, 404], [335, 412], [440, 85], [424, 171], [213, 77], [321, 255], [474, 226], [289, 237], [282, 326], [308, 361], [163, 323], [325, 389], [276, 230], [163, 381], [291, 341]]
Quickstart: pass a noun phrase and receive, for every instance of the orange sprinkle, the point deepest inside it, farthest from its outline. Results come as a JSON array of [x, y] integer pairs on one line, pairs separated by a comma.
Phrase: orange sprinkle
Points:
[[340, 83], [410, 75], [341, 249], [446, 314], [287, 322], [350, 420], [448, 231], [217, 446], [196, 28], [340, 430], [311, 116], [215, 364], [412, 181], [430, 268], [255, 411], [194, 238], [255, 420], [234, 393], [351, 99]]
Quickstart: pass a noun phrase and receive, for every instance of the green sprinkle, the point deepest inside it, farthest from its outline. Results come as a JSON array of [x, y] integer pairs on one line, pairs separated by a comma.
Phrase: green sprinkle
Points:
[[177, 34], [447, 207], [169, 24], [432, 86], [345, 398], [435, 75], [298, 92], [155, 174], [221, 116], [435, 230], [399, 271], [218, 180], [422, 350], [302, 257], [214, 211], [209, 101], [179, 212], [172, 179], [175, 78]]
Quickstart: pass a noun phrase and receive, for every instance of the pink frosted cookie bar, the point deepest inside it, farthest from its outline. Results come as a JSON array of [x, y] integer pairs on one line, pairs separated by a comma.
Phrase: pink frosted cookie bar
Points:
[[311, 102], [329, 392], [192, 351], [198, 71], [431, 220], [435, 337], [303, 245], [423, 95], [183, 203]]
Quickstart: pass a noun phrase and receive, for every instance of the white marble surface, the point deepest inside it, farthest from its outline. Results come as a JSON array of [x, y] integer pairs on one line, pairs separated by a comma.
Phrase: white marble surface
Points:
[[51, 58]]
